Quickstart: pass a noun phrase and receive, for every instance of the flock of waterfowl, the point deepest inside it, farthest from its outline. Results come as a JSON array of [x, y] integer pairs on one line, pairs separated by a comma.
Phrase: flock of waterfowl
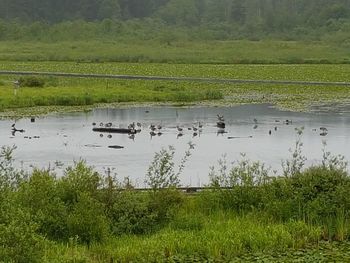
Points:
[[156, 129], [195, 129]]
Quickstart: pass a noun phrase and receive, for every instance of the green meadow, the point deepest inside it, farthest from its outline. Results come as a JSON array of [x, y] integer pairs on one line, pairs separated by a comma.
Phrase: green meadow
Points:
[[62, 93], [190, 52]]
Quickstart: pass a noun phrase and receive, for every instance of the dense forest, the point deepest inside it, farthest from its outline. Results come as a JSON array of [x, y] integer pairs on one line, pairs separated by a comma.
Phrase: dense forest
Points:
[[206, 19]]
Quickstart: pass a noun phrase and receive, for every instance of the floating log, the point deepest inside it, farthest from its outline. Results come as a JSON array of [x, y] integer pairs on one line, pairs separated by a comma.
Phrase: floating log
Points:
[[115, 130], [116, 147], [237, 137]]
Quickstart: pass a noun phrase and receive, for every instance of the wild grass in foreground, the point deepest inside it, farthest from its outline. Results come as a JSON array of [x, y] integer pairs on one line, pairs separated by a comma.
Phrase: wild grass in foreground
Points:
[[88, 217]]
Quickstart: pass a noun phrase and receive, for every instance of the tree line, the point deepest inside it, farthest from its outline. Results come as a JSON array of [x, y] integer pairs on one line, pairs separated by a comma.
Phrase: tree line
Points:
[[216, 18]]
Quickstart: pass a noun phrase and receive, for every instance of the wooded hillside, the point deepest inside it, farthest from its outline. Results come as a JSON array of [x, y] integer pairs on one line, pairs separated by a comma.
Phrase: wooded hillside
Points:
[[218, 19]]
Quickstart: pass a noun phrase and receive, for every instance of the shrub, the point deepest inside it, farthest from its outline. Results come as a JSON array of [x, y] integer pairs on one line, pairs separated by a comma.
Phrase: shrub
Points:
[[318, 192], [162, 172], [243, 182], [131, 214], [295, 164], [165, 203], [19, 241], [79, 178], [10, 177], [31, 82], [41, 197], [318, 196], [87, 220]]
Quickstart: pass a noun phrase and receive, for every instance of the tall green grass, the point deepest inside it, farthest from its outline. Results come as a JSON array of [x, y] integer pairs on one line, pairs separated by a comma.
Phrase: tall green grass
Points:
[[83, 92], [214, 52], [89, 92]]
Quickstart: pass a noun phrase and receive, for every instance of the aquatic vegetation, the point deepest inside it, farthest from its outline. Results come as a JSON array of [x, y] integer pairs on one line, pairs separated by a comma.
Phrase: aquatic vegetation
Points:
[[318, 72]]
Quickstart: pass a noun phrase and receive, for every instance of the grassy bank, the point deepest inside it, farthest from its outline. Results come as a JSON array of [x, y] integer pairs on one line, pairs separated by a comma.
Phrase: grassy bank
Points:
[[191, 52], [64, 93]]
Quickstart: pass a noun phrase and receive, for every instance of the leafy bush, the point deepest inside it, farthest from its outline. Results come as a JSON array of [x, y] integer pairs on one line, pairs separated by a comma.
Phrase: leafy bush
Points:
[[78, 179], [295, 165], [243, 183], [31, 82], [87, 220], [19, 240], [165, 204], [131, 214], [318, 192], [318, 196], [41, 197], [162, 172], [10, 177]]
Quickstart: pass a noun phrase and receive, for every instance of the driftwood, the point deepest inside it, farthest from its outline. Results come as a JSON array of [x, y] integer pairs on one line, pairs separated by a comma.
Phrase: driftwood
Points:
[[115, 130], [116, 147]]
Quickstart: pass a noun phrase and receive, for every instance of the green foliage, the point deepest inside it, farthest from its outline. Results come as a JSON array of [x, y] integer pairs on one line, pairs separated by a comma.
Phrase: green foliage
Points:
[[187, 221], [40, 195], [210, 19], [318, 192], [243, 181], [164, 203], [20, 242], [10, 177], [31, 82], [87, 221], [242, 173], [295, 165], [92, 219], [161, 173], [131, 214], [333, 162], [79, 179]]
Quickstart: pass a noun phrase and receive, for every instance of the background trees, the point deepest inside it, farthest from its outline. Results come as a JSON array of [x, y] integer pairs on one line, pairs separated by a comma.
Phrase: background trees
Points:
[[268, 16]]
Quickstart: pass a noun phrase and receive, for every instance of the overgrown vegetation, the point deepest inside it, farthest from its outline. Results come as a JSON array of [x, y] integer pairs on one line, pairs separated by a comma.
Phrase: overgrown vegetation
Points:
[[188, 51], [31, 82], [249, 213], [59, 91]]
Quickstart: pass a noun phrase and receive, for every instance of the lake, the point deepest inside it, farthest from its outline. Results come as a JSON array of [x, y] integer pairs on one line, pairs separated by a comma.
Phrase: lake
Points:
[[58, 140]]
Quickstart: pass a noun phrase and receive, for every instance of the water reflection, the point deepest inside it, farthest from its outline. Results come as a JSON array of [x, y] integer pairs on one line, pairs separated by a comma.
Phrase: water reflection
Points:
[[263, 133]]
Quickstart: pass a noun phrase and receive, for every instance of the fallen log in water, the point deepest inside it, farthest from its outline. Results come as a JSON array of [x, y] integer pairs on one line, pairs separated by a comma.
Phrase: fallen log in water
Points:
[[115, 130], [116, 147]]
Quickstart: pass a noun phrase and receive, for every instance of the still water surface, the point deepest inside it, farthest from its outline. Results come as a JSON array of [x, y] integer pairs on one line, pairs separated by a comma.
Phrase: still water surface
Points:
[[68, 137]]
